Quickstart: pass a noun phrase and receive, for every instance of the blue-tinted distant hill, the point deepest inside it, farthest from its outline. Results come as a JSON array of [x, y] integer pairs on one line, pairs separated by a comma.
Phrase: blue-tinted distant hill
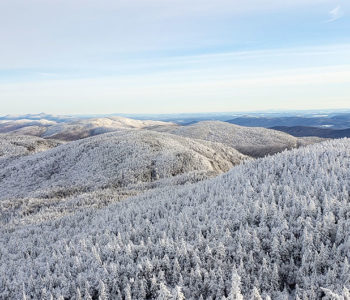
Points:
[[303, 131], [341, 121]]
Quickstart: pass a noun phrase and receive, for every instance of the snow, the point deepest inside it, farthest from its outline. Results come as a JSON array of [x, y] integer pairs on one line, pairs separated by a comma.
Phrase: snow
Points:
[[27, 121], [20, 145], [85, 128], [253, 141], [270, 228], [25, 126], [117, 159]]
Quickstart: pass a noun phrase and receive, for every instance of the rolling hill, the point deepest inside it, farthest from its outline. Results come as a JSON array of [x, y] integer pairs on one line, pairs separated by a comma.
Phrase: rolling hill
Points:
[[113, 160], [25, 126], [252, 141], [89, 127], [73, 129], [255, 142], [271, 228]]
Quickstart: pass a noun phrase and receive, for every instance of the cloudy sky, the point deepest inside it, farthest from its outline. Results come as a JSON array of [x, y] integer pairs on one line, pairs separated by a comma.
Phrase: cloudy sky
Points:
[[164, 56]]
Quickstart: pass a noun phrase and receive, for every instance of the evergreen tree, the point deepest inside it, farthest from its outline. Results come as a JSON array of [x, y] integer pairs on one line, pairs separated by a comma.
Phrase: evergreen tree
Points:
[[255, 295], [164, 293], [103, 294], [178, 295], [127, 293], [235, 292]]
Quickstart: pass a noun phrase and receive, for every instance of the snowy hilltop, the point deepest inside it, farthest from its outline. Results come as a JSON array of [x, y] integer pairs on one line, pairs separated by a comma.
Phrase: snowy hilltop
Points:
[[272, 228], [115, 164], [84, 128], [252, 141], [25, 126], [74, 129]]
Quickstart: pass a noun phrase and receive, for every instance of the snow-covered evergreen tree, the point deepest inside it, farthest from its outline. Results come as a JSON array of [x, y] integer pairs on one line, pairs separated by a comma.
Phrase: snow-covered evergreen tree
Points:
[[274, 227]]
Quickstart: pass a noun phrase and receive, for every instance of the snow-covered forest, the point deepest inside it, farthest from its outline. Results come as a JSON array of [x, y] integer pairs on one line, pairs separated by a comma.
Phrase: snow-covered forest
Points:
[[272, 228], [174, 150], [21, 145], [117, 159], [252, 141], [73, 129]]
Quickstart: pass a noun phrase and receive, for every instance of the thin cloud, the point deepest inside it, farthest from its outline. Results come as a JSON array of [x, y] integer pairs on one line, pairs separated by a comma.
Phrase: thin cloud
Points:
[[335, 14]]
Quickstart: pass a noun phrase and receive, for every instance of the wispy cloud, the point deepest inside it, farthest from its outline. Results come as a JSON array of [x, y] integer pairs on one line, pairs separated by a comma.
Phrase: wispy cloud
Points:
[[335, 14], [127, 54]]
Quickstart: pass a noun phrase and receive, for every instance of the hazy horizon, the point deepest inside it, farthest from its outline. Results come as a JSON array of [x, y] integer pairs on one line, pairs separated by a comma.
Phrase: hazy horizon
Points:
[[195, 113]]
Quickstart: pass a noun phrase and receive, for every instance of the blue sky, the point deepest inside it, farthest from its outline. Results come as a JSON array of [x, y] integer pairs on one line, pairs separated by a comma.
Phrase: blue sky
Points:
[[164, 56]]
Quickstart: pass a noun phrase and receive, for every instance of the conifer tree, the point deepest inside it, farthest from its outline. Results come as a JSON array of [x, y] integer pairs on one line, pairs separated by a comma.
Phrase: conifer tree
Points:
[[163, 293], [178, 295]]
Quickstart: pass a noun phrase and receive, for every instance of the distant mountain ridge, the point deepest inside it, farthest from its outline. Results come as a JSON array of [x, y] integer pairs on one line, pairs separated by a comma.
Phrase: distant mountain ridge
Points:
[[302, 131], [39, 116], [255, 142], [89, 127], [71, 130], [340, 121], [17, 125], [252, 141]]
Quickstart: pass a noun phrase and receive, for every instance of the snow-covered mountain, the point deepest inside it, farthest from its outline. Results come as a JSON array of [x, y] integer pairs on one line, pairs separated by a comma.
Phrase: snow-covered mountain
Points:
[[84, 128], [25, 126], [271, 228], [74, 129], [253, 141], [118, 160], [20, 145]]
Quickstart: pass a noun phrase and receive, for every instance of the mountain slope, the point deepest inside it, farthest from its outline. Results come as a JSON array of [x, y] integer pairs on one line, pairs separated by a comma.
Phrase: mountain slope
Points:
[[117, 159], [18, 145], [252, 141], [25, 126], [272, 226]]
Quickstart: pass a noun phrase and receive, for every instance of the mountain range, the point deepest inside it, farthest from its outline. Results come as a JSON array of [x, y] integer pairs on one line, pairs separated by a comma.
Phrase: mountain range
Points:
[[116, 208], [269, 228]]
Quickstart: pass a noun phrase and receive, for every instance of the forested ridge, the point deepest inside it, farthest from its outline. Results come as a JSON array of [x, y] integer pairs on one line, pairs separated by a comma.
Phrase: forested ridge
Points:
[[276, 227], [252, 141], [115, 159]]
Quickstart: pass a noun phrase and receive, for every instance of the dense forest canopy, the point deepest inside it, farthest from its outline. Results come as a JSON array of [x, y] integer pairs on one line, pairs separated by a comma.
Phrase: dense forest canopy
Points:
[[275, 227]]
